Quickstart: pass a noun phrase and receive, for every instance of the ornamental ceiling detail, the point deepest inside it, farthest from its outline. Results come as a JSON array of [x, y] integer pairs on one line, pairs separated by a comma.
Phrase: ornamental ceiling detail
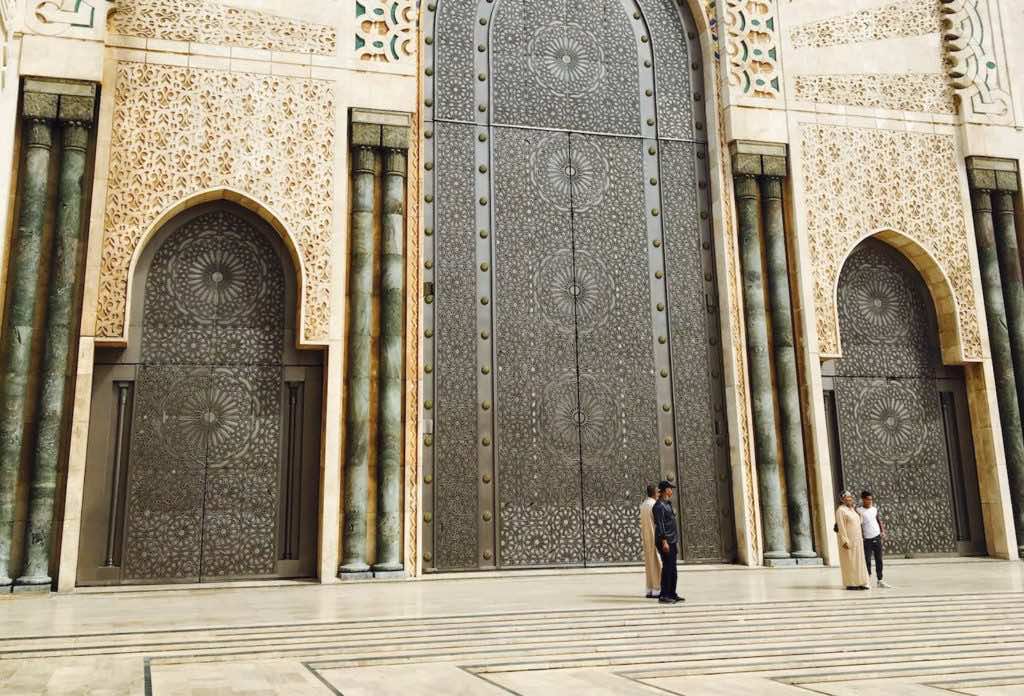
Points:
[[860, 181], [178, 132], [212, 22]]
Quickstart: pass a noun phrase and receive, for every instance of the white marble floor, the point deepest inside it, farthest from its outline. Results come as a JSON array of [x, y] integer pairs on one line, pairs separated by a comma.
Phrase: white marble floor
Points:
[[948, 627]]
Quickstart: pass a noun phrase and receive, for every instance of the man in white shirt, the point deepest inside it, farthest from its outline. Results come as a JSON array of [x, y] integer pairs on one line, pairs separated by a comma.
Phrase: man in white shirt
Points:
[[873, 530], [652, 562]]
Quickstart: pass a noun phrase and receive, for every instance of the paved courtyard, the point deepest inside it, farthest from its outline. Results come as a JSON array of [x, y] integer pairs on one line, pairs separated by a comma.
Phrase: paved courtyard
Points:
[[947, 627]]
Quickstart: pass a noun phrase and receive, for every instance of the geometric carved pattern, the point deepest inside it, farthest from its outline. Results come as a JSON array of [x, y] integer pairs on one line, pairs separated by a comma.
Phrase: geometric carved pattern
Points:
[[386, 30], [203, 479], [924, 92], [976, 56], [906, 18], [578, 403], [752, 45], [891, 431], [889, 180], [179, 131], [211, 22], [566, 58]]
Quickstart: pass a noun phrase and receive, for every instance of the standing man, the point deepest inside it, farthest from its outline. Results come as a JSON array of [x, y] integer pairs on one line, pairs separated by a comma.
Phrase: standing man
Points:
[[873, 530], [666, 538], [652, 565]]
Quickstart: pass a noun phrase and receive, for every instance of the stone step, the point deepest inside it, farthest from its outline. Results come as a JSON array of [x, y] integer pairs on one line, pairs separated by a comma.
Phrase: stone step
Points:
[[698, 620]]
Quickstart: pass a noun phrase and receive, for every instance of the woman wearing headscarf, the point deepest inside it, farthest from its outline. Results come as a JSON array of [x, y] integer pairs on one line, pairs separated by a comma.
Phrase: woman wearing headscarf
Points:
[[851, 545]]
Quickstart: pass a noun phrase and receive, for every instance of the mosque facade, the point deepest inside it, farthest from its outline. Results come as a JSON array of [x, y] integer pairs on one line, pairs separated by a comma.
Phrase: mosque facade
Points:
[[357, 289]]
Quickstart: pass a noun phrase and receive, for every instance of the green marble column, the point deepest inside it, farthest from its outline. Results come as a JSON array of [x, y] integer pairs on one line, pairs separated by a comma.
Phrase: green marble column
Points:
[[392, 332], [1013, 285], [57, 364], [1002, 354], [787, 381], [360, 345], [766, 448], [38, 112]]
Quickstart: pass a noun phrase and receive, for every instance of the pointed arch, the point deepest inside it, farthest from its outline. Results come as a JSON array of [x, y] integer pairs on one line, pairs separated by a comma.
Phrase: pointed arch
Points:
[[259, 208], [939, 288]]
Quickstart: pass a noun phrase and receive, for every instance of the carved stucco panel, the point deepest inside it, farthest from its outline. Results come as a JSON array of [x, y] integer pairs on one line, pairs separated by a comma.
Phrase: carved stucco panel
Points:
[[860, 181], [923, 92], [900, 19], [213, 22], [180, 131]]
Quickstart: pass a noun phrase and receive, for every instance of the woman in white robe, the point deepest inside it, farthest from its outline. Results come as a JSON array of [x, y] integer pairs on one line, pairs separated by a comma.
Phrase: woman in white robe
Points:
[[851, 545]]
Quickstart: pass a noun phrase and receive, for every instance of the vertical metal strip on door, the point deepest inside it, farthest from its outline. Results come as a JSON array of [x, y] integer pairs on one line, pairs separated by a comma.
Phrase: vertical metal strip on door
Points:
[[455, 350], [706, 516]]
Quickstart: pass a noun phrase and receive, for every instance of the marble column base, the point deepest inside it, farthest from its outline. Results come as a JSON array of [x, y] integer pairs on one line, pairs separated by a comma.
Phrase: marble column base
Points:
[[348, 573], [815, 561], [390, 574], [23, 586], [780, 562]]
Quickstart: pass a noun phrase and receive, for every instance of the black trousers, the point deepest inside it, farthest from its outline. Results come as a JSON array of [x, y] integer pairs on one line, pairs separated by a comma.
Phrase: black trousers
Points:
[[669, 576], [873, 547]]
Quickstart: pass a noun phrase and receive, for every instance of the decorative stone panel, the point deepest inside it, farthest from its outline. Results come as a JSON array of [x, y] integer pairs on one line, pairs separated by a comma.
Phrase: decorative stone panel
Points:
[[386, 31], [75, 18], [211, 22], [861, 181], [978, 69], [922, 92], [752, 47], [906, 18], [178, 132]]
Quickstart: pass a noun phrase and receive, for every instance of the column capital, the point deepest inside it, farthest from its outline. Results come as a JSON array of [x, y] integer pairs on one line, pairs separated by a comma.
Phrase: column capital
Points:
[[388, 129], [993, 174], [73, 102], [759, 159]]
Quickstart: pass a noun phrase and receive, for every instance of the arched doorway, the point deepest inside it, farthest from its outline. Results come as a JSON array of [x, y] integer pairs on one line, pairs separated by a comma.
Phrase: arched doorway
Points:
[[204, 442], [898, 417], [572, 334]]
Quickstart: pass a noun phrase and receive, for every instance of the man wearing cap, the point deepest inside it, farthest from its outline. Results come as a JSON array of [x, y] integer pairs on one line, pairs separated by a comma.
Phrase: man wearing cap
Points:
[[666, 538]]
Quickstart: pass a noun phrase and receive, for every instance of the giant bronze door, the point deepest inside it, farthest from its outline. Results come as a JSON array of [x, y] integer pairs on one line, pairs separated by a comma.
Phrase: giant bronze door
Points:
[[898, 416], [209, 475], [571, 326]]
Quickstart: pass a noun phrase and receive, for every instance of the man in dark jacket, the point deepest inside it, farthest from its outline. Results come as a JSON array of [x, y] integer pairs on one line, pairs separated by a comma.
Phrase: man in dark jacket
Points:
[[666, 539]]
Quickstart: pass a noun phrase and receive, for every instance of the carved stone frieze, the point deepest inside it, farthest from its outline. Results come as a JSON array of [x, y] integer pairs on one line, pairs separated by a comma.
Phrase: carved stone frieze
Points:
[[899, 19], [921, 92], [386, 31], [181, 131], [978, 64], [213, 22], [752, 47], [861, 181]]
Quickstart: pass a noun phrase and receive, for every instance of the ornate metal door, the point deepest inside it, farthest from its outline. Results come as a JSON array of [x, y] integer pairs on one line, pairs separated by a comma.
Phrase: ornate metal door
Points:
[[573, 332], [893, 435], [202, 487]]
